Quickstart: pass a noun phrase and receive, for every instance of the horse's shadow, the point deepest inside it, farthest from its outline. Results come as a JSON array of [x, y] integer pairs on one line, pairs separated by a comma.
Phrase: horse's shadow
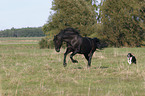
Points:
[[79, 67], [101, 67]]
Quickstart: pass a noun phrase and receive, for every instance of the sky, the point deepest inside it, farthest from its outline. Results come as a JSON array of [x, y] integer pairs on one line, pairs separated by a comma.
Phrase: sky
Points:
[[24, 13]]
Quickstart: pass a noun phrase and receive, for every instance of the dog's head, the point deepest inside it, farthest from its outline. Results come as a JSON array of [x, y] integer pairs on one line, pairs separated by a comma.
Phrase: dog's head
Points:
[[129, 55]]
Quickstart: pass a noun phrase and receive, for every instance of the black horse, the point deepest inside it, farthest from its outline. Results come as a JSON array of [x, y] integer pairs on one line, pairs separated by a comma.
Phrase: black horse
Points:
[[76, 44]]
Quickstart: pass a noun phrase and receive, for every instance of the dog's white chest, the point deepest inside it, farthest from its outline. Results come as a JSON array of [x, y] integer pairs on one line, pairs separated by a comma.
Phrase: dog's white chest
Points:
[[129, 60]]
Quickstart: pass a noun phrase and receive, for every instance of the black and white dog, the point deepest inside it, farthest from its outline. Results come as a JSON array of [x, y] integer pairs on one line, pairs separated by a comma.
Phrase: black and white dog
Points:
[[131, 58]]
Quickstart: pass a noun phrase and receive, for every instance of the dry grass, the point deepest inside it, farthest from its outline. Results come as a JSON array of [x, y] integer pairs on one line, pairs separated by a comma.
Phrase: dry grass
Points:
[[27, 70], [19, 40]]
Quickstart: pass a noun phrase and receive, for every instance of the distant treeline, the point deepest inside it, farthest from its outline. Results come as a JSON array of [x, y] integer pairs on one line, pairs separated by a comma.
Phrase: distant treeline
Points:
[[23, 32]]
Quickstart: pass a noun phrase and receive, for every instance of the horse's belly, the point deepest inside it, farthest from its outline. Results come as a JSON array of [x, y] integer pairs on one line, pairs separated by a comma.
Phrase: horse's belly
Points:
[[85, 47], [85, 50]]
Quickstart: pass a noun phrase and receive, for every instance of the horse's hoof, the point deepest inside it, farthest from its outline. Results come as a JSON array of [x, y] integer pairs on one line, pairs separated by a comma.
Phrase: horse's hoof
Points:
[[65, 64], [75, 61], [88, 66]]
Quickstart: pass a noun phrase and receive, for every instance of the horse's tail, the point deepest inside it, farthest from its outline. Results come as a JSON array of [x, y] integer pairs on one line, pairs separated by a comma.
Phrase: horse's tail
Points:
[[97, 41], [100, 44]]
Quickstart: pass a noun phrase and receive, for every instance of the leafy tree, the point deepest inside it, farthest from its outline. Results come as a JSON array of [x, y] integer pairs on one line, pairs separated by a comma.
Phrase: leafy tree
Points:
[[78, 14], [123, 22]]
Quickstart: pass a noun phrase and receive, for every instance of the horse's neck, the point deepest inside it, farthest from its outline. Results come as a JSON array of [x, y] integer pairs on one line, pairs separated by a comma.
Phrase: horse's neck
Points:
[[67, 38]]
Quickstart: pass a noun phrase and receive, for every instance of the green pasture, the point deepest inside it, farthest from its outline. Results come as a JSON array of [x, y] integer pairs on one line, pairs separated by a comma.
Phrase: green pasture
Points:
[[26, 70], [19, 40]]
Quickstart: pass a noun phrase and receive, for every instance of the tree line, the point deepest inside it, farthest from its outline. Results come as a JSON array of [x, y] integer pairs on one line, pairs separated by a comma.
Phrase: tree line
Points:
[[117, 22], [23, 32]]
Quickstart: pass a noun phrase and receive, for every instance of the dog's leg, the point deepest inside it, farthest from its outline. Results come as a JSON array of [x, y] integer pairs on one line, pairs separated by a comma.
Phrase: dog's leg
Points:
[[130, 60]]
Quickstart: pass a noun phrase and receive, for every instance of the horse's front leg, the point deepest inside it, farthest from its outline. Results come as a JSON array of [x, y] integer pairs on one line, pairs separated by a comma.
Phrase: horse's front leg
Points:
[[71, 57], [68, 50], [74, 53]]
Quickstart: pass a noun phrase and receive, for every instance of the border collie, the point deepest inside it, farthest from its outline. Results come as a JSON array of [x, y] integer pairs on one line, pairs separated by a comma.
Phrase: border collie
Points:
[[131, 58]]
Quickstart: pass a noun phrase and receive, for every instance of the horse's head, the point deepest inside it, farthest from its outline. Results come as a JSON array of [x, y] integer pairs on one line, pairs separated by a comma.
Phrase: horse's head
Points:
[[57, 42]]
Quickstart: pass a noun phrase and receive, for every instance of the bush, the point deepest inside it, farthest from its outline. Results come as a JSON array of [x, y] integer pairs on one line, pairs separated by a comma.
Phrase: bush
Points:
[[50, 43], [43, 43]]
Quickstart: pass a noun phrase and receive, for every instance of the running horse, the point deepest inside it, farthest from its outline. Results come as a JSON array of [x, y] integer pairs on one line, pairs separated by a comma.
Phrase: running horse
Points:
[[76, 44]]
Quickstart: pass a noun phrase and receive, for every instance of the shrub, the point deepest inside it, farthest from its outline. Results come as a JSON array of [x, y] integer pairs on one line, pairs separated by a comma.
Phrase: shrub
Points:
[[43, 43], [50, 43]]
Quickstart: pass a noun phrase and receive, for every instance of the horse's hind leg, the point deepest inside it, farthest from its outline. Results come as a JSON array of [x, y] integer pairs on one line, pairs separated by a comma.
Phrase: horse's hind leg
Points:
[[71, 57], [88, 57]]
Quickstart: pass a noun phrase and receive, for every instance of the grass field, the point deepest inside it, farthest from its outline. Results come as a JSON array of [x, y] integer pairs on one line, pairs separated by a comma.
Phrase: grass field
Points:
[[19, 40], [26, 70]]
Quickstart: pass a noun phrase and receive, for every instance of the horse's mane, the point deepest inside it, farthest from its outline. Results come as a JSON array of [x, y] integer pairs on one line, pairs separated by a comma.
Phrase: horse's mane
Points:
[[70, 31]]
